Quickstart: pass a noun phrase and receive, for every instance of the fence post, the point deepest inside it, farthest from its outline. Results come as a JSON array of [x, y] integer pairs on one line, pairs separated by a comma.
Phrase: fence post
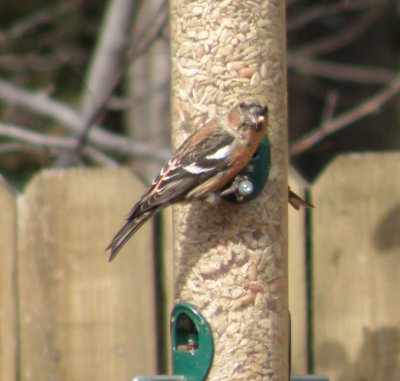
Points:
[[298, 282], [80, 317], [356, 263], [8, 302], [231, 260]]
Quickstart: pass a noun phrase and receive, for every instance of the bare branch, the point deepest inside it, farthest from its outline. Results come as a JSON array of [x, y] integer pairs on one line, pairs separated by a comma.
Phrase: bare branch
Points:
[[330, 105], [370, 106], [42, 104], [10, 148], [11, 131], [106, 68], [328, 9], [342, 38], [108, 56], [340, 72], [29, 140], [99, 157], [42, 17], [43, 63], [141, 44]]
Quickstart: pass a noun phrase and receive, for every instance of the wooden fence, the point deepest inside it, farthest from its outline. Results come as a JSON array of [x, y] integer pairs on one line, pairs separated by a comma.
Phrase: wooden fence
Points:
[[67, 314]]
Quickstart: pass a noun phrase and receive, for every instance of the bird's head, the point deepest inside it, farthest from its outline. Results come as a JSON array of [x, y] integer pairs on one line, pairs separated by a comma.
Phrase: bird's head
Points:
[[253, 114]]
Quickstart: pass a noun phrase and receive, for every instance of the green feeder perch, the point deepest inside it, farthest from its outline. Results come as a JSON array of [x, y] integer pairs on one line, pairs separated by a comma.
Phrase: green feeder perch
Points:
[[192, 343], [249, 183]]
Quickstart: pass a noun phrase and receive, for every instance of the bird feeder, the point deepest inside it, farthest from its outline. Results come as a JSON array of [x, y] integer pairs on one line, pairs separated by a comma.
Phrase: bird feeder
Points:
[[231, 258], [230, 320]]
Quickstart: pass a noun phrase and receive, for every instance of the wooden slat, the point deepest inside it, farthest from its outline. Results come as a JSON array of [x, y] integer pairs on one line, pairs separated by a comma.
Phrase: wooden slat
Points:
[[168, 277], [168, 256], [83, 318], [8, 317], [356, 268], [297, 283]]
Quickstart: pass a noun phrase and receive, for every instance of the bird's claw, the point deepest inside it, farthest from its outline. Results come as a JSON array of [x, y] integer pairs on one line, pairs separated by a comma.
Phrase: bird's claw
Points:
[[240, 187]]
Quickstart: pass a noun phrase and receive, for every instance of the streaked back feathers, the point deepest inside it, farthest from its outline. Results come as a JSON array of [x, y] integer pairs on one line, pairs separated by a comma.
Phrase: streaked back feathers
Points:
[[206, 161]]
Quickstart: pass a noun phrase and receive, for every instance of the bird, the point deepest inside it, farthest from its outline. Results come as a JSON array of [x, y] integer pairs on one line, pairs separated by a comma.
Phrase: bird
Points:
[[202, 166]]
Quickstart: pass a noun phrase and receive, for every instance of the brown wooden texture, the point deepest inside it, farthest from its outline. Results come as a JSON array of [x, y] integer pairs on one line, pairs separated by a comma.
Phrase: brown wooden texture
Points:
[[297, 283], [356, 256], [82, 318], [168, 277], [8, 294]]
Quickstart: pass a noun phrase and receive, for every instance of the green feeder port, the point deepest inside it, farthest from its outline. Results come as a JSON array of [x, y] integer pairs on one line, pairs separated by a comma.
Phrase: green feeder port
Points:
[[193, 348], [192, 343], [249, 183]]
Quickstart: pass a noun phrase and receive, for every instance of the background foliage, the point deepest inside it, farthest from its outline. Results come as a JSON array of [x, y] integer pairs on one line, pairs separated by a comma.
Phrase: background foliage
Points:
[[342, 79]]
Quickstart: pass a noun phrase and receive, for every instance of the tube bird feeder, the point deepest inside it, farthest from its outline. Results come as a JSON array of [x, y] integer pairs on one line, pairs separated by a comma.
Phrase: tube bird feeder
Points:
[[231, 258]]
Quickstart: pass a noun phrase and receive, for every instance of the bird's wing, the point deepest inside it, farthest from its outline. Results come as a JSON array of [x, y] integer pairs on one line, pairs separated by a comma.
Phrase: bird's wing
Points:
[[201, 157], [195, 162]]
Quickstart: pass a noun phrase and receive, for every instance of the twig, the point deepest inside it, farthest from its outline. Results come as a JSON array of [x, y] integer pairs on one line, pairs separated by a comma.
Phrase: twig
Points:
[[370, 106], [145, 40], [106, 69], [42, 63], [28, 139], [42, 104], [43, 16], [328, 9], [110, 58], [329, 107], [11, 131], [99, 157], [10, 148], [342, 38], [340, 72]]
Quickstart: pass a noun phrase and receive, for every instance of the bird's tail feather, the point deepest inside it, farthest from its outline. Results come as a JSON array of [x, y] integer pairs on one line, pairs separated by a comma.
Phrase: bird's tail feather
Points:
[[297, 202], [128, 229]]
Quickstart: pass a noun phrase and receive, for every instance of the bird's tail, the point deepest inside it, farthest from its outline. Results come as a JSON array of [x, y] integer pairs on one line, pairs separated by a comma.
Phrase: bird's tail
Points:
[[128, 229], [297, 202]]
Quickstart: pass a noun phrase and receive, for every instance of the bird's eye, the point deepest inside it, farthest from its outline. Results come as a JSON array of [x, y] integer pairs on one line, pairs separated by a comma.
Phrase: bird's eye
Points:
[[242, 107], [264, 110]]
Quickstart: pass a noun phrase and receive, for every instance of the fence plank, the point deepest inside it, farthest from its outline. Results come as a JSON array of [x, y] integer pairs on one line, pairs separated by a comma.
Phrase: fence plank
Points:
[[83, 318], [356, 258], [8, 317], [297, 283]]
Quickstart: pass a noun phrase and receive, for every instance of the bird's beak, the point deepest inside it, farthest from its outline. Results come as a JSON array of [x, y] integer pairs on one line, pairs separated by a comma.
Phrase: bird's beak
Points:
[[259, 120]]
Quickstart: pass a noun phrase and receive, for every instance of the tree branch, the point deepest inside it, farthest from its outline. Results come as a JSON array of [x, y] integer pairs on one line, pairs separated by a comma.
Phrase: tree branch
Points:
[[26, 25], [328, 127], [145, 40], [42, 104], [339, 72], [106, 67], [319, 11], [28, 139], [108, 56], [342, 38]]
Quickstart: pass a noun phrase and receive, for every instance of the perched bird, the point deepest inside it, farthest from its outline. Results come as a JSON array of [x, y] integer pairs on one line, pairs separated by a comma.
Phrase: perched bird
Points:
[[202, 166], [205, 162]]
